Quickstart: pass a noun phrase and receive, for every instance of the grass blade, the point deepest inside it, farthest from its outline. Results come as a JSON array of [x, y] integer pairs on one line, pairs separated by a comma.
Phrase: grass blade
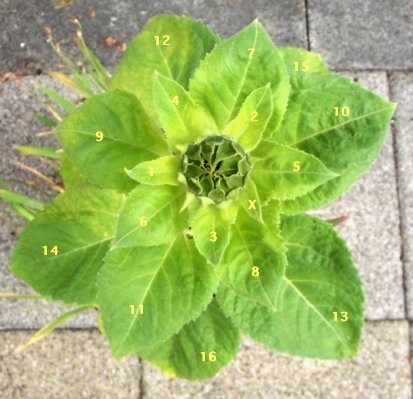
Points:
[[67, 105], [14, 198], [51, 326], [39, 151], [11, 295], [45, 120]]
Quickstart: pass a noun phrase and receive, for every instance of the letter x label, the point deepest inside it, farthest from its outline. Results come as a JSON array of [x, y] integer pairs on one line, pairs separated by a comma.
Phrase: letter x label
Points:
[[252, 204]]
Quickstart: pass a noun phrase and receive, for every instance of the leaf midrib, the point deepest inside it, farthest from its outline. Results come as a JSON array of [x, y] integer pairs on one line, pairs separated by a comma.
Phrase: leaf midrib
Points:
[[242, 80], [116, 140], [115, 245], [315, 310], [339, 125], [155, 273]]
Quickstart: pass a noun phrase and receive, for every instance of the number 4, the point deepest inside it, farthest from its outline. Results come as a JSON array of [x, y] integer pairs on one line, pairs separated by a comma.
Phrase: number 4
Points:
[[175, 100]]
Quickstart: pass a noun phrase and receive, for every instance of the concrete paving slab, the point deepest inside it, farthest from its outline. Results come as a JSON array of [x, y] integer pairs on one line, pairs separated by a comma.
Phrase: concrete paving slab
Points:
[[362, 34], [381, 371], [372, 230], [402, 87], [24, 49], [66, 364], [18, 105]]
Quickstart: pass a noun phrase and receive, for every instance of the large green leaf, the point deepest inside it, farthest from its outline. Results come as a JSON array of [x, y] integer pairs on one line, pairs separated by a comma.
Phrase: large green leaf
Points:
[[210, 228], [176, 57], [150, 216], [200, 349], [173, 283], [183, 121], [71, 175], [79, 226], [321, 288], [347, 145], [250, 123], [128, 137], [281, 172], [236, 67], [254, 263]]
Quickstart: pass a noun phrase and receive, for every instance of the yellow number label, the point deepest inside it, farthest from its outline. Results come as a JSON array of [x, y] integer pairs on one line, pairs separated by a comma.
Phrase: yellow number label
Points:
[[343, 316], [53, 251], [345, 111], [151, 170], [165, 40], [251, 52], [213, 237], [99, 136], [254, 116], [296, 166], [132, 309], [143, 221], [175, 100], [212, 356], [255, 271], [301, 66], [252, 204]]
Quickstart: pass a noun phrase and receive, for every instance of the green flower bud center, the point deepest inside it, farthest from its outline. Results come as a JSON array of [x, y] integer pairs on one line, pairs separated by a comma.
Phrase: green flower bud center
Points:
[[215, 167]]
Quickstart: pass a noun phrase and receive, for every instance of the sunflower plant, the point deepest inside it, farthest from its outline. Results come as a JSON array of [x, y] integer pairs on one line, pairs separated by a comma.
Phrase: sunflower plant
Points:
[[186, 184]]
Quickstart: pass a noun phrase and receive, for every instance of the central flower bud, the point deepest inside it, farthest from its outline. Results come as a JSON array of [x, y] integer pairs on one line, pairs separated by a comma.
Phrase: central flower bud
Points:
[[214, 167]]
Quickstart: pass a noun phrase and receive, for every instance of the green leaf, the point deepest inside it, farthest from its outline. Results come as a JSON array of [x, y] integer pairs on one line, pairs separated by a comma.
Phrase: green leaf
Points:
[[250, 123], [249, 199], [80, 224], [160, 171], [182, 120], [233, 70], [210, 228], [347, 145], [128, 138], [176, 57], [252, 266], [282, 172], [70, 174], [320, 279], [300, 63], [150, 216], [172, 282], [191, 352]]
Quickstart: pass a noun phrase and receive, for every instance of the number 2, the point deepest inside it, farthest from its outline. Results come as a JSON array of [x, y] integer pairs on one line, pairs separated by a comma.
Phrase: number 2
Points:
[[254, 116]]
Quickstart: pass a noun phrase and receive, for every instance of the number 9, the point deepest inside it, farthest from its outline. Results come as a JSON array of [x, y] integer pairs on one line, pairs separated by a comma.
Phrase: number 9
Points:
[[99, 136]]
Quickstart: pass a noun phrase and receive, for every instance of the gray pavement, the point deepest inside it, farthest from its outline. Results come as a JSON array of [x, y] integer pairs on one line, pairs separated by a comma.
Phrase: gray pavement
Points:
[[355, 38]]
